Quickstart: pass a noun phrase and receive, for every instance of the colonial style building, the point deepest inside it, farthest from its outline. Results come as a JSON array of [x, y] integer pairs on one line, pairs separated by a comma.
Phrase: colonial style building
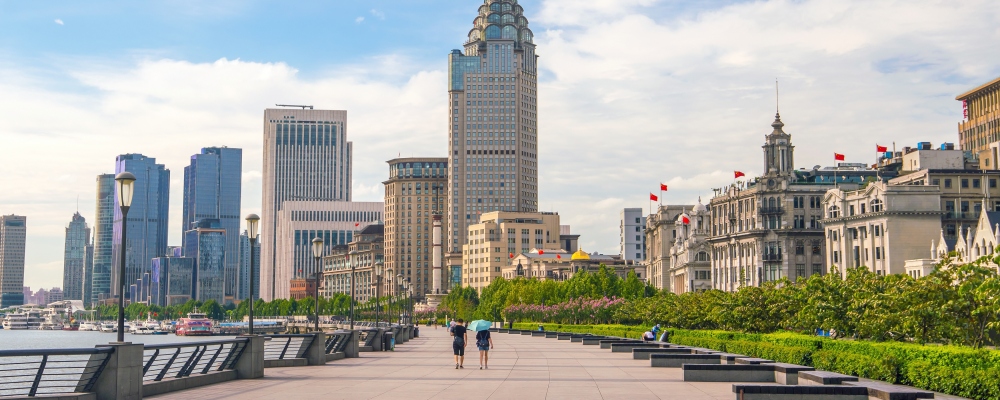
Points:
[[679, 252], [560, 265], [501, 235], [661, 232], [354, 264], [769, 228], [880, 226]]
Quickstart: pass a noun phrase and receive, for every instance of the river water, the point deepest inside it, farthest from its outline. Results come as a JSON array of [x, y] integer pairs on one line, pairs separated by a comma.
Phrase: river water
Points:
[[33, 339]]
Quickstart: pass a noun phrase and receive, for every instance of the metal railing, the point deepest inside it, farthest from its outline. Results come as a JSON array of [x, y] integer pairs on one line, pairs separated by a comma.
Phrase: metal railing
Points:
[[280, 347], [370, 336], [337, 342], [51, 371], [179, 360]]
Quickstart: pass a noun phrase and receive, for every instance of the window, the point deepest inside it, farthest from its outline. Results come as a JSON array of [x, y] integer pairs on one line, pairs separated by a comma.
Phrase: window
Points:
[[965, 183], [637, 237], [936, 182], [637, 220], [993, 183], [975, 183], [800, 270], [817, 269], [800, 249], [947, 183], [638, 247], [878, 230], [850, 210]]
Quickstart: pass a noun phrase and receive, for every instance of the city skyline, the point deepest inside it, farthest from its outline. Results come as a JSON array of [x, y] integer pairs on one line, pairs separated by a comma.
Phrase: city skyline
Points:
[[686, 113]]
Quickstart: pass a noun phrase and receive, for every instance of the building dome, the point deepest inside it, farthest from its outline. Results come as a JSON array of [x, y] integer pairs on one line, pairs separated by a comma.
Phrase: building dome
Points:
[[500, 19], [580, 255], [700, 208]]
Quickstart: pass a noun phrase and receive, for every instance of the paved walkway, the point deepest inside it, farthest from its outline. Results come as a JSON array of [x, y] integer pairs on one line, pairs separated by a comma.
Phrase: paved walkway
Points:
[[521, 368]]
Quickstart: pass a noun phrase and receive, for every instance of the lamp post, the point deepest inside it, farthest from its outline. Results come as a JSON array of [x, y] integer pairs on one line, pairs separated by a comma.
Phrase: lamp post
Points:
[[126, 188], [378, 282], [253, 223], [350, 260], [317, 252]]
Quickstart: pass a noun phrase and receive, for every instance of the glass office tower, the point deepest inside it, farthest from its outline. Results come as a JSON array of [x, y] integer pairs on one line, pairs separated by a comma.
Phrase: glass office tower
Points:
[[147, 218]]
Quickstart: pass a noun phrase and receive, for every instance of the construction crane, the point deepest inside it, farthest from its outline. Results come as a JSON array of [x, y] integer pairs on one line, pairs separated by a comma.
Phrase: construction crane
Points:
[[293, 105]]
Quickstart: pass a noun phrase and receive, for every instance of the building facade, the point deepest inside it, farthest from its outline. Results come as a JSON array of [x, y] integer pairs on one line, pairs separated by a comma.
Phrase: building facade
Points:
[[499, 236], [632, 243], [100, 277], [661, 233], [172, 279], [414, 193], [13, 230], [212, 189], [880, 226], [206, 245], [75, 257], [147, 217], [981, 122], [335, 222], [560, 265], [353, 264], [492, 121], [307, 158], [963, 194], [246, 253]]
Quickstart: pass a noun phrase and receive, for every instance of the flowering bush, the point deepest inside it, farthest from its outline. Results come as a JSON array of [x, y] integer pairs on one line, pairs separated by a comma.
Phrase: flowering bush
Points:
[[574, 311]]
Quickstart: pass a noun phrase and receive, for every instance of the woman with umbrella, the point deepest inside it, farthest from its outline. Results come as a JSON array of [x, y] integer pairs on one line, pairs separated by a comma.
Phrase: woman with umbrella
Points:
[[483, 341]]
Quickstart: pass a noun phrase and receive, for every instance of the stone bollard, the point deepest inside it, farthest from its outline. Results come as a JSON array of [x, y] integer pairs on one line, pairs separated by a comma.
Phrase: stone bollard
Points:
[[316, 352], [122, 375], [351, 350], [251, 363], [377, 345]]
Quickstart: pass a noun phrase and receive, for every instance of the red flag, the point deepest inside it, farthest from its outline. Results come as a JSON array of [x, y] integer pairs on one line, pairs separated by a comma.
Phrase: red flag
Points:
[[738, 174], [653, 197], [559, 256], [838, 157], [540, 251], [881, 149], [663, 187], [511, 255], [356, 224], [685, 220]]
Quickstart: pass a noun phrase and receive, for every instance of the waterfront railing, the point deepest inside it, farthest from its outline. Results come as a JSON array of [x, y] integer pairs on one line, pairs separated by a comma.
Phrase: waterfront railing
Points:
[[281, 347], [179, 360], [51, 371]]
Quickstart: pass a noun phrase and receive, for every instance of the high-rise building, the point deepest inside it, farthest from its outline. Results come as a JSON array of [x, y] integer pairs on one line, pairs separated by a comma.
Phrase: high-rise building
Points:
[[981, 119], [306, 158], [632, 243], [75, 257], [212, 184], [206, 244], [493, 121], [246, 254], [299, 222], [501, 235], [13, 229], [172, 279], [147, 217], [100, 277], [88, 272], [415, 192]]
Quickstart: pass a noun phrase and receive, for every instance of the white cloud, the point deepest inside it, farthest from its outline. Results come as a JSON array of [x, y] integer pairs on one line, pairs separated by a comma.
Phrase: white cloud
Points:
[[378, 14], [359, 20], [59, 22]]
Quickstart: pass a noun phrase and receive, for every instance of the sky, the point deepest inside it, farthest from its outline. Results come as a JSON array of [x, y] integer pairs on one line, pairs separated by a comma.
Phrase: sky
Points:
[[631, 92]]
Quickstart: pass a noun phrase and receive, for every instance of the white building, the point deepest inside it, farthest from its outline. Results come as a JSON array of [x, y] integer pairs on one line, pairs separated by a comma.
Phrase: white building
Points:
[[336, 222], [306, 158], [632, 238]]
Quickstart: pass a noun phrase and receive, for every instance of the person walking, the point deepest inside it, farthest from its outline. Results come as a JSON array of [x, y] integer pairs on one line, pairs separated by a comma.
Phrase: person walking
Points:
[[656, 330], [458, 345], [484, 342]]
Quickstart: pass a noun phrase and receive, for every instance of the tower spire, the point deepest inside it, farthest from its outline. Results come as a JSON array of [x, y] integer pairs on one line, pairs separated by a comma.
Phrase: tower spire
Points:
[[777, 103]]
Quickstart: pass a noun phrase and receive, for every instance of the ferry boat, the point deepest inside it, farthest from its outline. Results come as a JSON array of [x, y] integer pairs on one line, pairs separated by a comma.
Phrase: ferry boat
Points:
[[196, 324], [108, 327], [89, 326], [16, 321]]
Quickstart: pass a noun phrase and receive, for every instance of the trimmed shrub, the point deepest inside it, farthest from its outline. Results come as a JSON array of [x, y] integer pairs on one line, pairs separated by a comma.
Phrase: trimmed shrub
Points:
[[970, 382], [878, 368]]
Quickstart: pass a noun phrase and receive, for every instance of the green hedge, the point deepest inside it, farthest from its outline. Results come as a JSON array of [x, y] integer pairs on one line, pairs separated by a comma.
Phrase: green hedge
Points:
[[960, 371]]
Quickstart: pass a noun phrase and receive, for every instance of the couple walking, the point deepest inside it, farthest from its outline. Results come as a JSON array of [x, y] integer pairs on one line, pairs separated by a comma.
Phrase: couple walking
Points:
[[460, 331]]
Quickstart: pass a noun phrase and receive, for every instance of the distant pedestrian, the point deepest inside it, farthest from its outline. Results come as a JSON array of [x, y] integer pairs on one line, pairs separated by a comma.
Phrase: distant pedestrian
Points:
[[656, 330], [458, 345], [648, 336], [484, 342]]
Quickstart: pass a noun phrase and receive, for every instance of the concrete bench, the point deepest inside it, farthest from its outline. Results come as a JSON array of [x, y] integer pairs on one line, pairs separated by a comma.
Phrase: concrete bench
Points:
[[788, 374], [824, 378], [641, 353], [699, 350], [594, 340], [783, 392], [728, 372], [514, 331], [888, 391], [551, 335], [729, 358], [606, 343], [753, 361], [502, 330], [627, 347], [678, 360], [579, 338], [564, 336], [528, 333]]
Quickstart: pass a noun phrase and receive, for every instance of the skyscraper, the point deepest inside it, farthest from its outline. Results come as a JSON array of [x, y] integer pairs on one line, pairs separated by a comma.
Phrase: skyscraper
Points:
[[414, 193], [246, 255], [632, 243], [13, 229], [493, 115], [212, 184], [75, 257], [306, 158], [100, 278], [147, 217], [206, 244]]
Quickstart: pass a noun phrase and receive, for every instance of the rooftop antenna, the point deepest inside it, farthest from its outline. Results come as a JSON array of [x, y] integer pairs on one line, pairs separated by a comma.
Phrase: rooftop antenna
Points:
[[776, 97], [293, 105]]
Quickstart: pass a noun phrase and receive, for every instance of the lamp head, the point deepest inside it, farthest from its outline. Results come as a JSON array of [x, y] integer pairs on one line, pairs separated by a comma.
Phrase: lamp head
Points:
[[317, 247], [126, 188], [253, 226]]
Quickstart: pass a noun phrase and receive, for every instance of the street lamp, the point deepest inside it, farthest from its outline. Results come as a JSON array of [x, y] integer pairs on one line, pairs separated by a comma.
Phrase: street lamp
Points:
[[253, 224], [378, 282], [317, 252], [350, 260], [126, 188], [399, 296]]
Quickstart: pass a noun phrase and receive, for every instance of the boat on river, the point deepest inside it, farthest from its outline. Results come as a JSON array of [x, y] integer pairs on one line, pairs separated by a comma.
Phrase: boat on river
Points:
[[195, 324]]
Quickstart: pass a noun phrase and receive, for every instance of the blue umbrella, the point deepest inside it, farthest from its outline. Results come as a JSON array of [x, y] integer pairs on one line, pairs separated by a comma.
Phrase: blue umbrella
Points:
[[480, 325]]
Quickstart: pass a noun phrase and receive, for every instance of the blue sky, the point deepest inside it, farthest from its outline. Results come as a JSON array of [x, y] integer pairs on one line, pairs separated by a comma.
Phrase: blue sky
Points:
[[632, 92]]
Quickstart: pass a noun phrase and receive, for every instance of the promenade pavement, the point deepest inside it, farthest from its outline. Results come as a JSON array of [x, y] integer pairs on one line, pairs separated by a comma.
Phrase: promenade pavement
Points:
[[521, 368]]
